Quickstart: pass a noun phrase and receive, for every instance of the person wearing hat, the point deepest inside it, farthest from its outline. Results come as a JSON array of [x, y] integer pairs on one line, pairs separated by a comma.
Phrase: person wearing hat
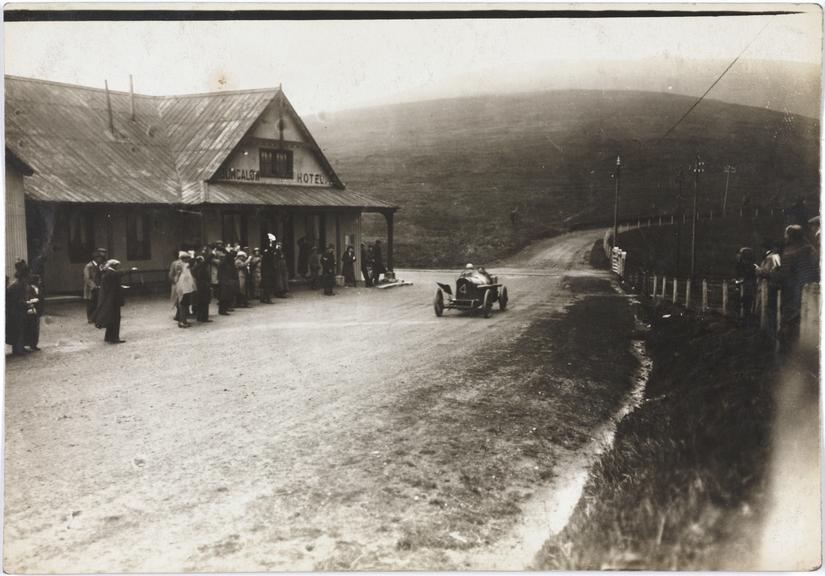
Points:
[[91, 281], [17, 307], [242, 264], [200, 272], [348, 268], [378, 263], [799, 266], [328, 271], [255, 273], [281, 273], [107, 314], [183, 285]]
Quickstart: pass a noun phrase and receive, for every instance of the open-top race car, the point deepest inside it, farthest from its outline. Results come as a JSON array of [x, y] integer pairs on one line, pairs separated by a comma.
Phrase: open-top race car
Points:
[[475, 289]]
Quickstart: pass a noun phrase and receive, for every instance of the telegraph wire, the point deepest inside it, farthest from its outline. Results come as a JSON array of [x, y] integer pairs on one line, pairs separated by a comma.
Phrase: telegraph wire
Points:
[[715, 82]]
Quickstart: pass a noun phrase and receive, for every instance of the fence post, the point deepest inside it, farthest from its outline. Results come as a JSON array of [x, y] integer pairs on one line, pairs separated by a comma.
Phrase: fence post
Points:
[[724, 297], [687, 293], [655, 284], [778, 311], [675, 290], [638, 222], [672, 219], [704, 295], [664, 286], [763, 303], [742, 300]]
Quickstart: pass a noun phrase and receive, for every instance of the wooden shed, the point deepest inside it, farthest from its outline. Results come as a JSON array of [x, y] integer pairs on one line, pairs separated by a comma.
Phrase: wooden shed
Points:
[[144, 176]]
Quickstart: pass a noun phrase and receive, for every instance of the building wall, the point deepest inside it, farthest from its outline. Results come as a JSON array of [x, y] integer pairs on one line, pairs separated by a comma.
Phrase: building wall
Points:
[[167, 236], [61, 275], [15, 220]]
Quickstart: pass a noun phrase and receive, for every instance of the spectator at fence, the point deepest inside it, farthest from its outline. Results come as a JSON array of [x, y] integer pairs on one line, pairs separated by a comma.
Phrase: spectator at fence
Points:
[[746, 278], [799, 266], [91, 281], [769, 271]]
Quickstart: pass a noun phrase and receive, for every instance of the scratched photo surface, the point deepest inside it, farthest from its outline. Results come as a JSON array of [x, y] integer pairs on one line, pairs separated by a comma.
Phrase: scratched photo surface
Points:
[[420, 287]]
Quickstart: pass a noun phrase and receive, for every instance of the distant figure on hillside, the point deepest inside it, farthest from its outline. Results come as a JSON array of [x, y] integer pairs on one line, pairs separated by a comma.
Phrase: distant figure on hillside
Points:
[[515, 216]]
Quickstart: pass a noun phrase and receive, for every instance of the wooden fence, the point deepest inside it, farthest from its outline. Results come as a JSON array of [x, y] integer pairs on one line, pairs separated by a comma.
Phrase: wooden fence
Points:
[[727, 297]]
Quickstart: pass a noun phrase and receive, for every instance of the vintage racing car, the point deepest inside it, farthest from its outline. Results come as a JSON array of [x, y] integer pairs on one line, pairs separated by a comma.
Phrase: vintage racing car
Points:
[[475, 289]]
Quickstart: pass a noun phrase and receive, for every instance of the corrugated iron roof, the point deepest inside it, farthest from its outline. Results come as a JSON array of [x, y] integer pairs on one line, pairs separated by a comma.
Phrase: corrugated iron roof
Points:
[[289, 196], [63, 132], [163, 156]]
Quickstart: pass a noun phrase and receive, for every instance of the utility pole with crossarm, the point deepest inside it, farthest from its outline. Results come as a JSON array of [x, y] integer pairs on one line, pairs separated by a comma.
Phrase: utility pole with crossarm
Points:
[[698, 168]]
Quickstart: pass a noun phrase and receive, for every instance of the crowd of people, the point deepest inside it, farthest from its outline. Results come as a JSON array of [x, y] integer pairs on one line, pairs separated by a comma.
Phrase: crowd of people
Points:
[[787, 265]]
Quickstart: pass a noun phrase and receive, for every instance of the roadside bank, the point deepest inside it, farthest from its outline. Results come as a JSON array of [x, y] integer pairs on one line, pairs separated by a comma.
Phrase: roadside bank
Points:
[[684, 487]]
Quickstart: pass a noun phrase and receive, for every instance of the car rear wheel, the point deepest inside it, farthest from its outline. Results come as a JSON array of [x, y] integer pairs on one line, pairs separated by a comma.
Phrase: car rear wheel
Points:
[[438, 303], [487, 306], [503, 298]]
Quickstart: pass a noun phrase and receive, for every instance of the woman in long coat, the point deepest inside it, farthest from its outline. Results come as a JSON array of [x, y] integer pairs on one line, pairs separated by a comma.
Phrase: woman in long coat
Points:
[[110, 301], [328, 271], [201, 271], [349, 266], [242, 265], [227, 282], [255, 273], [281, 275], [16, 308], [34, 299], [182, 290], [267, 275]]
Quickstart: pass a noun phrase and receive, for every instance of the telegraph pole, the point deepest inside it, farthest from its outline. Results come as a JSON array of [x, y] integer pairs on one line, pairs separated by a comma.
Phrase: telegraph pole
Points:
[[729, 169], [698, 167], [616, 201], [680, 174]]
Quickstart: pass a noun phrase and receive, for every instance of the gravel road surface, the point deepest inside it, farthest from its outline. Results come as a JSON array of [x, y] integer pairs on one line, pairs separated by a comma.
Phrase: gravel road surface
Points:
[[351, 432]]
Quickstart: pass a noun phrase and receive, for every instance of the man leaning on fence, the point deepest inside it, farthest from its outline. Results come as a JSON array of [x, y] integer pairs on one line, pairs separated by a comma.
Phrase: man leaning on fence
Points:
[[799, 266]]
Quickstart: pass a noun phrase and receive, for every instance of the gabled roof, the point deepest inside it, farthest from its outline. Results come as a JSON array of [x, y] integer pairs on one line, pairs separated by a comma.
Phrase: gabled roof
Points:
[[291, 196], [19, 164], [174, 145], [63, 132]]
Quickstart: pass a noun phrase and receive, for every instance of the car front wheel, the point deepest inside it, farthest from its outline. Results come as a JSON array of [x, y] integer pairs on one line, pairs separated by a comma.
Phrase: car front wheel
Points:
[[503, 298], [487, 306], [438, 303]]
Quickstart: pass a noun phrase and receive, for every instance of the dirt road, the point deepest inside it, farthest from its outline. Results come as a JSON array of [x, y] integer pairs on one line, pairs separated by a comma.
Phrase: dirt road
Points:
[[352, 432]]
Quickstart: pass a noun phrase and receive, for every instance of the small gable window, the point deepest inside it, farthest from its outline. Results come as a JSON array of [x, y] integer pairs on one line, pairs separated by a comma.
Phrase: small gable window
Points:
[[276, 163]]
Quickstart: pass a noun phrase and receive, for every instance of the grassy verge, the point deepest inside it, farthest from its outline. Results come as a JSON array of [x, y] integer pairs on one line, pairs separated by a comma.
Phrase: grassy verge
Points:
[[685, 480]]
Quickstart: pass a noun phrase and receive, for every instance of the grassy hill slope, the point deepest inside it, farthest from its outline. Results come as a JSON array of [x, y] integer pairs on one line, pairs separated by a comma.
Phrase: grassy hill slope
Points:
[[458, 167]]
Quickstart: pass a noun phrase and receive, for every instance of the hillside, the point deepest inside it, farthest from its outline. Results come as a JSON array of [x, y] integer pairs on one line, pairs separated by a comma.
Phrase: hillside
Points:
[[458, 167]]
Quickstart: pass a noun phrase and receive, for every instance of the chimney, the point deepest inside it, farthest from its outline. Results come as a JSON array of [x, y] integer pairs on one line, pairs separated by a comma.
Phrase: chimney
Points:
[[132, 97], [109, 108]]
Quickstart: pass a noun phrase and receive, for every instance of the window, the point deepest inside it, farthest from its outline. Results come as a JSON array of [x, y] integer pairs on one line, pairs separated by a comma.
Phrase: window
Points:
[[138, 240], [276, 163], [234, 228], [81, 235]]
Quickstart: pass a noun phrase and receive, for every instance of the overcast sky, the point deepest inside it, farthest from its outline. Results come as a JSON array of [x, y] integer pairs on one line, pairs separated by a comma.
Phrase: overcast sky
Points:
[[331, 65]]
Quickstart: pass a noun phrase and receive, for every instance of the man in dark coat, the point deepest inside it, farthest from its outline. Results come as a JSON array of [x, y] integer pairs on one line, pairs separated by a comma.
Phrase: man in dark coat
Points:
[[303, 256], [281, 273], [267, 275], [203, 283], [378, 264], [365, 271], [328, 270], [107, 314], [91, 281], [34, 300], [799, 266], [16, 308], [227, 282]]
